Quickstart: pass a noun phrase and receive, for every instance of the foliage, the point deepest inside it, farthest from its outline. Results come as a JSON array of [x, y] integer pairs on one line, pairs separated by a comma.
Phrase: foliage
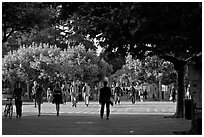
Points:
[[143, 28], [39, 22], [147, 70], [46, 61], [24, 16]]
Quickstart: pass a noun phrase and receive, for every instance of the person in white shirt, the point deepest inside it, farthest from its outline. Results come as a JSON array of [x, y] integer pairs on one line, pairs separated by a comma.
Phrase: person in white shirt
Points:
[[86, 92]]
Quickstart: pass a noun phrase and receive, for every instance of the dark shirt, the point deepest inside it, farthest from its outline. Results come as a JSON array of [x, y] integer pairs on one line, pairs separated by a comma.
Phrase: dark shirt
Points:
[[18, 93], [118, 91], [133, 91], [105, 94]]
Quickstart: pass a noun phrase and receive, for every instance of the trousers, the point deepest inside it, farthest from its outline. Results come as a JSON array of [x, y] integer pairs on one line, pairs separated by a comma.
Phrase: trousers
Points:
[[18, 107], [107, 109]]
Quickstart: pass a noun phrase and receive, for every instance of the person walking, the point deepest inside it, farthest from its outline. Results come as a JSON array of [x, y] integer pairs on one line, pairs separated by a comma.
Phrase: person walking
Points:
[[39, 97], [34, 92], [104, 99], [18, 91], [86, 92], [57, 97], [95, 93], [49, 94], [74, 93], [64, 93], [117, 93]]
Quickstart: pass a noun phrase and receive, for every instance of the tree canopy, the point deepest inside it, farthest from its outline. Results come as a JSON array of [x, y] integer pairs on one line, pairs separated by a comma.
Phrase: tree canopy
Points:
[[144, 28], [147, 70], [45, 61]]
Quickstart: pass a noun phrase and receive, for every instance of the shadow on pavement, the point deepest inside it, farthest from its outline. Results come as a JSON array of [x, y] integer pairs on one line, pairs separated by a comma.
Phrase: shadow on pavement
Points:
[[86, 124]]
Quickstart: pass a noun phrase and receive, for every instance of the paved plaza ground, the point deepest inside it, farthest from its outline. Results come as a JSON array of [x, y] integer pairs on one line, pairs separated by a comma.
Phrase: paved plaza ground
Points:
[[142, 118]]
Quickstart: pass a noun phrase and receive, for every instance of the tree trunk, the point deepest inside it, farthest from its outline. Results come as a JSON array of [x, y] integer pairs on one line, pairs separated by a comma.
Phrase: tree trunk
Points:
[[179, 66], [180, 92]]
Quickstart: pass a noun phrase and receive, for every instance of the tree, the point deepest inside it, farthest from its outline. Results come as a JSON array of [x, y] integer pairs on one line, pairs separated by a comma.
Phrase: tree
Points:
[[50, 63], [21, 19], [148, 70], [24, 17], [27, 22]]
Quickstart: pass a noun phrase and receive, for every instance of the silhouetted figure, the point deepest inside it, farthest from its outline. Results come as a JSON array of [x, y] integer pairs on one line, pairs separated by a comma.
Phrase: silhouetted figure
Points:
[[18, 91], [173, 95], [133, 94], [57, 97], [104, 99], [39, 97], [145, 94]]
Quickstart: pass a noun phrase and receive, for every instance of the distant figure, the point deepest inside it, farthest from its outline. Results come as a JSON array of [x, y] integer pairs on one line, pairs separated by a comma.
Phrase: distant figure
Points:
[[64, 93], [18, 91], [173, 94], [153, 96], [57, 97], [39, 97], [104, 99], [34, 92], [145, 94], [141, 95], [95, 93], [74, 93], [137, 94], [133, 97], [86, 91], [117, 93], [188, 92], [49, 94]]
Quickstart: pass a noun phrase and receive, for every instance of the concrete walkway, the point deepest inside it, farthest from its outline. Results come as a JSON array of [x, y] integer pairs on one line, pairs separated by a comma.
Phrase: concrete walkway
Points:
[[91, 124]]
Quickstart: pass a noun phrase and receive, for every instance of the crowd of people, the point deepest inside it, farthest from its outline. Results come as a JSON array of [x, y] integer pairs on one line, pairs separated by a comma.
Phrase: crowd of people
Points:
[[58, 95], [63, 92]]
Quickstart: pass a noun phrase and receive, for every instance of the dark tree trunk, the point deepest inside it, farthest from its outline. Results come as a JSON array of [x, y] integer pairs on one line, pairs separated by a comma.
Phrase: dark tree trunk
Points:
[[179, 66], [180, 93]]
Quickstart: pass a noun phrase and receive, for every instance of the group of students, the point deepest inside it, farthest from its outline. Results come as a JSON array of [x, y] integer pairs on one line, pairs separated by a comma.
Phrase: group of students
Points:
[[56, 96], [38, 91], [104, 98], [133, 94]]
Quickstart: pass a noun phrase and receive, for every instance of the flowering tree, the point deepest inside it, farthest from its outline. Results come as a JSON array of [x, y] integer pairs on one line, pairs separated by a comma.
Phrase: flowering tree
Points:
[[147, 70], [49, 62]]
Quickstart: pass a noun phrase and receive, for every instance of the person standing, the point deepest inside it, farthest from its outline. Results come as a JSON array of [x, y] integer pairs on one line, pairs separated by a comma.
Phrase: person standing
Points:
[[18, 91], [39, 97], [86, 91], [145, 94], [57, 97], [173, 94], [104, 99], [133, 94]]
